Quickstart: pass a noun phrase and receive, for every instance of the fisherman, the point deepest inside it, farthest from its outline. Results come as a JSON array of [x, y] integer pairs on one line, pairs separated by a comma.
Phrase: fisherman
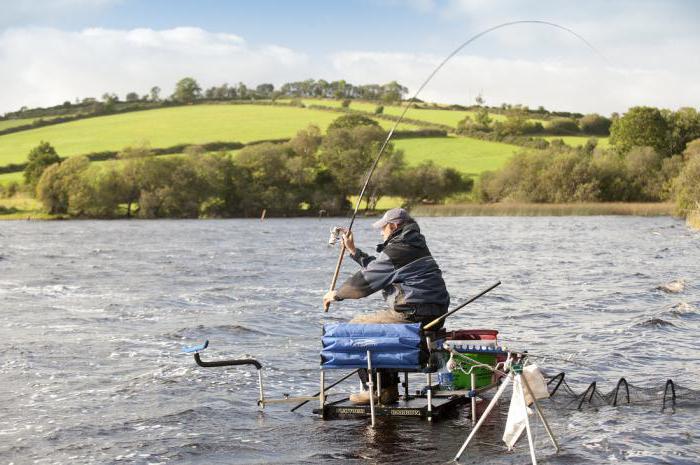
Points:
[[409, 278]]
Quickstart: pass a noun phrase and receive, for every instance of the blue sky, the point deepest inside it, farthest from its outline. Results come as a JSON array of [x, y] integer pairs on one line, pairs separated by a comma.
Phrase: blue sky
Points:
[[56, 50]]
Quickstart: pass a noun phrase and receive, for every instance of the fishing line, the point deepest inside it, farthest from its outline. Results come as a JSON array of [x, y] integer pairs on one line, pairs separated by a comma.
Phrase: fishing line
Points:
[[408, 103], [430, 77]]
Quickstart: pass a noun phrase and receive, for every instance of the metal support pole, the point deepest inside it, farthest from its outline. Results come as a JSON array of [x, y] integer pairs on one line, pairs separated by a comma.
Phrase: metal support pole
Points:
[[379, 387], [518, 381], [261, 400], [370, 383], [405, 387], [483, 417], [322, 393], [430, 396], [541, 415], [473, 396]]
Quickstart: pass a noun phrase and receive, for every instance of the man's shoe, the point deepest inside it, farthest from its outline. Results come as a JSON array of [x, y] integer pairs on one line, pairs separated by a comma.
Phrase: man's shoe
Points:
[[389, 395], [360, 398]]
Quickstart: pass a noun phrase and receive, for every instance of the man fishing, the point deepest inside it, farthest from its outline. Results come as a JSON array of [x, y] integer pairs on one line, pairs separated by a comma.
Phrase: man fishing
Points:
[[409, 278]]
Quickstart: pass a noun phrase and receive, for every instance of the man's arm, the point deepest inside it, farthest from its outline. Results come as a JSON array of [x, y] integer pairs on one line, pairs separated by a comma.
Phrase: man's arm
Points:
[[377, 275], [356, 254]]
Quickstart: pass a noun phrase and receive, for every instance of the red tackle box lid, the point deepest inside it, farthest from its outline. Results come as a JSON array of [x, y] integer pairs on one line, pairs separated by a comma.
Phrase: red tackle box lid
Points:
[[472, 334]]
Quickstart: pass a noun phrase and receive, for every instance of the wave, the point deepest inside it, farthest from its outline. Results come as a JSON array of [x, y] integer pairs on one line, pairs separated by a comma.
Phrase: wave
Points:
[[200, 330], [654, 323], [673, 287]]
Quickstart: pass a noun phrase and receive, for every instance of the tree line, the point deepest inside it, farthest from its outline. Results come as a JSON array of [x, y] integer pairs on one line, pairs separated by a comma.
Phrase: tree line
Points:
[[309, 174], [188, 90], [655, 156]]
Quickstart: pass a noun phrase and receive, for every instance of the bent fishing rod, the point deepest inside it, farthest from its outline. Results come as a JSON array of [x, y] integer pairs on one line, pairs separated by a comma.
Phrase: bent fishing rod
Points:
[[407, 105]]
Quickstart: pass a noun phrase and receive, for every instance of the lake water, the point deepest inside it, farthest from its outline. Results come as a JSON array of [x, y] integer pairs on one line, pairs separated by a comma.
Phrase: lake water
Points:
[[95, 313]]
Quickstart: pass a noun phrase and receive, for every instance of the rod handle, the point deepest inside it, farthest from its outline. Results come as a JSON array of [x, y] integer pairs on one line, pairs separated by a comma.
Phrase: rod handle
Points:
[[335, 274]]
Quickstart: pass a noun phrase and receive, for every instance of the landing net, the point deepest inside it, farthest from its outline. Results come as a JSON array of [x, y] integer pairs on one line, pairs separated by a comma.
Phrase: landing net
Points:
[[667, 395]]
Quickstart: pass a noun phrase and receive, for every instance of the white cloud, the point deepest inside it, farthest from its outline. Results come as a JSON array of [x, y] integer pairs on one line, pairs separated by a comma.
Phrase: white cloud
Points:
[[44, 66], [584, 87]]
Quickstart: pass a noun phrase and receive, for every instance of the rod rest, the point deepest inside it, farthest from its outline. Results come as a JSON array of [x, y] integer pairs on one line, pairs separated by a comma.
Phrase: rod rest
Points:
[[226, 363]]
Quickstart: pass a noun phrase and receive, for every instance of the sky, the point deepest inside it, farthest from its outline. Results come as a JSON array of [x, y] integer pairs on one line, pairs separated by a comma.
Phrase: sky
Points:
[[633, 52]]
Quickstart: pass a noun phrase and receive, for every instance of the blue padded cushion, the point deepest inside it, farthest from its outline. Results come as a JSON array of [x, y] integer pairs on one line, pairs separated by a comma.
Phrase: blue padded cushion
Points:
[[345, 345]]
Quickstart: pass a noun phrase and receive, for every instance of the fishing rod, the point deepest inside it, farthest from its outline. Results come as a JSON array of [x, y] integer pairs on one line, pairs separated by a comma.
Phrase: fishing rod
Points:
[[460, 307], [407, 105]]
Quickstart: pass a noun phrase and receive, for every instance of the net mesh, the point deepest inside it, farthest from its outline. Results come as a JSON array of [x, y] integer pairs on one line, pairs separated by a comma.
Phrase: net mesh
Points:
[[666, 395]]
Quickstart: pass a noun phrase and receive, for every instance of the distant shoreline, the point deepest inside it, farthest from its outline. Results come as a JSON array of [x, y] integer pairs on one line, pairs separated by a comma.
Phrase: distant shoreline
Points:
[[549, 209], [476, 209]]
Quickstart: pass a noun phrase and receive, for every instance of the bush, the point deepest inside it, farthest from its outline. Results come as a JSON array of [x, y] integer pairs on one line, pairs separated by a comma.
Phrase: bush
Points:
[[352, 120], [40, 157], [564, 174], [346, 103], [562, 126], [429, 183], [687, 185], [595, 125], [379, 109]]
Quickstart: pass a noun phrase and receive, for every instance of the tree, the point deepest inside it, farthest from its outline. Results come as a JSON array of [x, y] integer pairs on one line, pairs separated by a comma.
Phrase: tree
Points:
[[132, 97], [595, 125], [563, 126], [58, 182], [242, 91], [187, 90], [40, 157], [687, 187], [430, 183], [352, 120], [684, 126], [154, 94], [641, 127], [265, 90], [132, 174], [393, 92], [345, 155]]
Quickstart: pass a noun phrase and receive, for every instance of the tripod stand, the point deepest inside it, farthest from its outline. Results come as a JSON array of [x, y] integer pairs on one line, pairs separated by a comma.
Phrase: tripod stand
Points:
[[514, 376]]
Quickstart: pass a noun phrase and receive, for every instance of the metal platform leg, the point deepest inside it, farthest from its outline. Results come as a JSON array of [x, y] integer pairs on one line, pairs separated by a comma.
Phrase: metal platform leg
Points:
[[473, 396], [429, 379], [322, 392], [405, 386], [371, 387]]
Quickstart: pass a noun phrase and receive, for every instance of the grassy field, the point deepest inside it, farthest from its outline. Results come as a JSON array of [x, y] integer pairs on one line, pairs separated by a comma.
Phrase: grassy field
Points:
[[166, 127], [22, 207], [11, 123], [437, 116], [7, 178], [578, 141], [470, 156], [546, 209]]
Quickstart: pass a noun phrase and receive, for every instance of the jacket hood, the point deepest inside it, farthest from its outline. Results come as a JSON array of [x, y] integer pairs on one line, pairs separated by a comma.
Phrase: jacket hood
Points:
[[408, 234]]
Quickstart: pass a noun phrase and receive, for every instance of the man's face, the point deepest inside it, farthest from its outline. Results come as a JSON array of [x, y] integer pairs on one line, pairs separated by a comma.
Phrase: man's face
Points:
[[388, 229]]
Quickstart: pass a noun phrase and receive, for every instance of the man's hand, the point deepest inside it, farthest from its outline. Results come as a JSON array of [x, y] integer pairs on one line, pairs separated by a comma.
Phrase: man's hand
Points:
[[349, 241], [328, 298]]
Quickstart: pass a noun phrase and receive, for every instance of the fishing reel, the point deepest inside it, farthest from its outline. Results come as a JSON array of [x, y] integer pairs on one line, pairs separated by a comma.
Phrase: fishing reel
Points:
[[336, 234]]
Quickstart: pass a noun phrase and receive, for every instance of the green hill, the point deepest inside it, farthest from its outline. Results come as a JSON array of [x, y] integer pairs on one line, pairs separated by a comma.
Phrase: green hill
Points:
[[166, 127], [470, 156], [578, 141], [444, 117]]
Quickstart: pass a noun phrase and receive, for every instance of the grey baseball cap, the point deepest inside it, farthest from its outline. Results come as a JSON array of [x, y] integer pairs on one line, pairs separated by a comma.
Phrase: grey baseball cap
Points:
[[395, 215]]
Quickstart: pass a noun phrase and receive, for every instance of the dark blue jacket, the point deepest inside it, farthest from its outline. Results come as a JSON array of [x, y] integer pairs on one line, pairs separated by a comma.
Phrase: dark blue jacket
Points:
[[405, 272]]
